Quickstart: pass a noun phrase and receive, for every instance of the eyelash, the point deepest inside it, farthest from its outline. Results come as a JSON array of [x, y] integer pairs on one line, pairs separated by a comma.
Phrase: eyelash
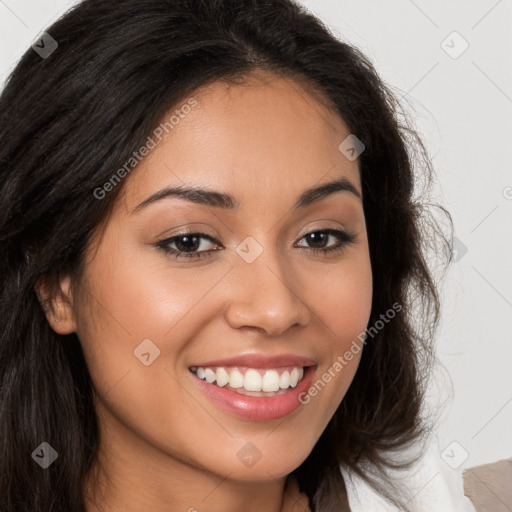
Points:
[[344, 238]]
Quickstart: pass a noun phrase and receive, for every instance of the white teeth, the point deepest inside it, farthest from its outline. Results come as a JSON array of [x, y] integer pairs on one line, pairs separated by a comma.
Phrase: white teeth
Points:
[[222, 377], [294, 377], [270, 381], [236, 379], [284, 381], [253, 380], [209, 375]]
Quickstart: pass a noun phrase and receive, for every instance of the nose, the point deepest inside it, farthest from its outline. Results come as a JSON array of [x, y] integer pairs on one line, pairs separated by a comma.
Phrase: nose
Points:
[[262, 296]]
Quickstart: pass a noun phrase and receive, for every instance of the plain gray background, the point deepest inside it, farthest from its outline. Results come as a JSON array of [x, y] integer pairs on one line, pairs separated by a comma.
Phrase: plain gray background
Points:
[[461, 102]]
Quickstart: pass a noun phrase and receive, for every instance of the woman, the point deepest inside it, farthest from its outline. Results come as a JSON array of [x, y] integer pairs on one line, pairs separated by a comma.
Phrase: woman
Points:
[[211, 251]]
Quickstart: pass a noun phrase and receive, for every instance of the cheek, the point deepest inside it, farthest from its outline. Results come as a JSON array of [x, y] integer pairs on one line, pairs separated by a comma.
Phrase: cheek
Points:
[[140, 297], [129, 303], [123, 314], [342, 300], [349, 312]]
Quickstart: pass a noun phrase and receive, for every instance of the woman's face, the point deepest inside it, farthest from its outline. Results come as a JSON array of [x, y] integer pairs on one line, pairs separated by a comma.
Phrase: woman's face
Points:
[[254, 298]]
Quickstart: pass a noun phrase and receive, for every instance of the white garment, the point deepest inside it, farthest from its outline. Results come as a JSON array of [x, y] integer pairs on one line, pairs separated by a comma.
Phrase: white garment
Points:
[[432, 486]]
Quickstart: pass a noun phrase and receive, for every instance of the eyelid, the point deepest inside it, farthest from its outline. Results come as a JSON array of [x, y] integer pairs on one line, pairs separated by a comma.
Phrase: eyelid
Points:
[[324, 225], [189, 230]]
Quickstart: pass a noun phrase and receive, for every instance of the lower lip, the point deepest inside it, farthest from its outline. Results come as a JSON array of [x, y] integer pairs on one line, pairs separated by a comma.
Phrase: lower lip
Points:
[[259, 408]]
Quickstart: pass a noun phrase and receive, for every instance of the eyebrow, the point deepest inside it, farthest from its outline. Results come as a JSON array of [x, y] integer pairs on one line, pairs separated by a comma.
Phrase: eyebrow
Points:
[[226, 201]]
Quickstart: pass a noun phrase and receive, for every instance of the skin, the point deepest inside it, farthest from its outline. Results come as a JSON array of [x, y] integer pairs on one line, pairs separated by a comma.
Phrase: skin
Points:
[[165, 445]]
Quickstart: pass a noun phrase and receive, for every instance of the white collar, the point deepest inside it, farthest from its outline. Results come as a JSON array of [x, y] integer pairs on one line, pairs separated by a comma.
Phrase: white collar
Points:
[[430, 485]]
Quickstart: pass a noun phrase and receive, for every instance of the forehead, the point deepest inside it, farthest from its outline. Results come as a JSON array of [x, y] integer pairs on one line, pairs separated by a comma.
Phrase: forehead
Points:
[[269, 135]]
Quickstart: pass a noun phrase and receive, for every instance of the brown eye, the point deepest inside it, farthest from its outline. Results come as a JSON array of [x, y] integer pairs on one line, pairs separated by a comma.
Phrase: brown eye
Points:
[[318, 240], [187, 245]]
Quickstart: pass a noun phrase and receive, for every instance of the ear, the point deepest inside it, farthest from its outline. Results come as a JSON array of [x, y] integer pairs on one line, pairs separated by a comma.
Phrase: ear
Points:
[[58, 306]]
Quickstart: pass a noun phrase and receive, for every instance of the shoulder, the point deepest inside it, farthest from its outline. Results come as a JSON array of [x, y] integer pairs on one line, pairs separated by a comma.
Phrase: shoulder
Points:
[[429, 485]]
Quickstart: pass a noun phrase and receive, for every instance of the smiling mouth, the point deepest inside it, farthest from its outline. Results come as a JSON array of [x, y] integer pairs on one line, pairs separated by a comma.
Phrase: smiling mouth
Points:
[[252, 381]]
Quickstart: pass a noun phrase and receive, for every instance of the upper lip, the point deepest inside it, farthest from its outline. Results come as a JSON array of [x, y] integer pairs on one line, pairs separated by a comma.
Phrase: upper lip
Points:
[[260, 361]]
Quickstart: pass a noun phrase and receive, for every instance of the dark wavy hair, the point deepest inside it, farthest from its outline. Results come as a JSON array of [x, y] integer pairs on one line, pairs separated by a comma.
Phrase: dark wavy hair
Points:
[[68, 120]]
